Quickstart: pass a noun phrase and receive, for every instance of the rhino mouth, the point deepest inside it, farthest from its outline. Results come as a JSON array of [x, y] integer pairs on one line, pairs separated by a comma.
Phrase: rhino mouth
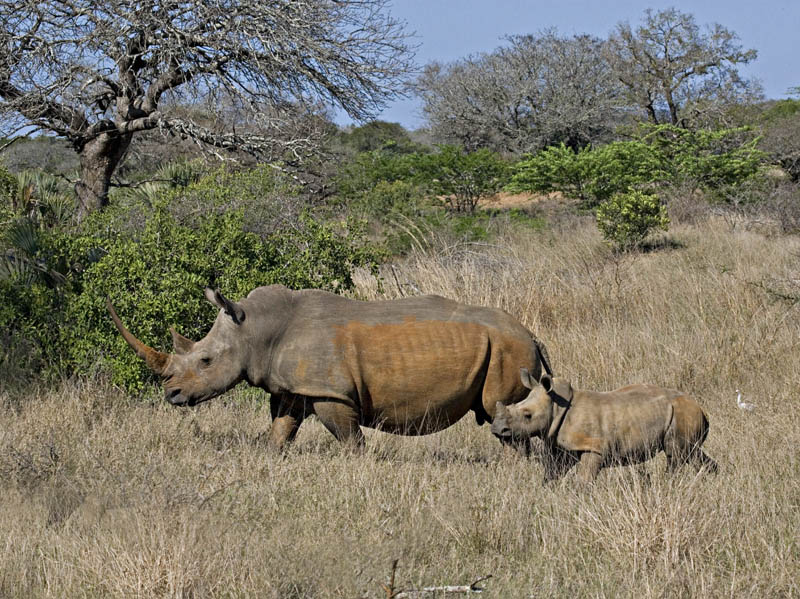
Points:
[[501, 429], [177, 399], [503, 433]]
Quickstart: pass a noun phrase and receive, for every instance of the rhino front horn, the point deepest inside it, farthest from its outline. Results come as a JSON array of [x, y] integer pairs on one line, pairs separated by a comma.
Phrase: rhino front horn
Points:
[[156, 360]]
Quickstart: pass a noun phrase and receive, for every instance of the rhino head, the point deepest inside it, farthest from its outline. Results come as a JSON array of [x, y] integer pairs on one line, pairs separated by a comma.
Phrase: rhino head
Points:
[[197, 371], [538, 415]]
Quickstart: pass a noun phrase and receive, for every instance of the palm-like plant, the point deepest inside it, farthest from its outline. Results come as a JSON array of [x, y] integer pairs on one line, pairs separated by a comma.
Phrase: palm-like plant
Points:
[[35, 203]]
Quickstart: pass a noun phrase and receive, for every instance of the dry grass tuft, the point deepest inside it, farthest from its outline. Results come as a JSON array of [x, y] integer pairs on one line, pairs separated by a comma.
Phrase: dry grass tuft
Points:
[[104, 496]]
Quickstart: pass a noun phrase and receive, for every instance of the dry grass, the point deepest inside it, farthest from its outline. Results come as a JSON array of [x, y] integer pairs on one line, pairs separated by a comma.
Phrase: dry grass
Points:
[[104, 496]]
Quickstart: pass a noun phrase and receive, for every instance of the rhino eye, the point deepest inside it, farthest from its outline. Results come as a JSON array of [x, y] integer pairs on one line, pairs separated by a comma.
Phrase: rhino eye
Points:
[[205, 361], [528, 415]]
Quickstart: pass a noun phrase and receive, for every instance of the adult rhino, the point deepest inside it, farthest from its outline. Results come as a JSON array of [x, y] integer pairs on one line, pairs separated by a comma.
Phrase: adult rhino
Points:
[[410, 366]]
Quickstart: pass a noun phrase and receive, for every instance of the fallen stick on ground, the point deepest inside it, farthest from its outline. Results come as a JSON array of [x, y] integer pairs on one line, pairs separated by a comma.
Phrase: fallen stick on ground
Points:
[[416, 593], [463, 588]]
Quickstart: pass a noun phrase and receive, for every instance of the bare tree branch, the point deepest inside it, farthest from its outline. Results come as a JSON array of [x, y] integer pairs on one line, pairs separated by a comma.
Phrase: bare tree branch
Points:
[[676, 72], [538, 90], [97, 73]]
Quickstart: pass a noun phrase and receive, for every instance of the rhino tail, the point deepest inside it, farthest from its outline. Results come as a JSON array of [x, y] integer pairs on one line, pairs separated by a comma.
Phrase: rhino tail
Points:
[[697, 456]]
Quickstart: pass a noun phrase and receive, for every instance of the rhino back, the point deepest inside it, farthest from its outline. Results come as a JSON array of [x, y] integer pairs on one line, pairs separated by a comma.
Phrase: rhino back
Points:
[[628, 423], [418, 363]]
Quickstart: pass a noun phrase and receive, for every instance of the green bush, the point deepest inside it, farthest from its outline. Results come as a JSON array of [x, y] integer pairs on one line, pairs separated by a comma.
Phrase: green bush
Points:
[[367, 169], [714, 161], [8, 186], [456, 177], [710, 160], [380, 135], [156, 279], [154, 270], [556, 168], [590, 174], [627, 218], [460, 178], [619, 166]]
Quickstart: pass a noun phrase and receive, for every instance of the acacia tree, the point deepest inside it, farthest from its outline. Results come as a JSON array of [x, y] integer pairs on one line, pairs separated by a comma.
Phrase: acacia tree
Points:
[[677, 73], [538, 90], [97, 72]]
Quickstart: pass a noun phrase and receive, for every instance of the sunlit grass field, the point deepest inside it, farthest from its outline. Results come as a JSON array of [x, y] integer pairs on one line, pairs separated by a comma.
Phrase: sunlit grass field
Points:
[[107, 495]]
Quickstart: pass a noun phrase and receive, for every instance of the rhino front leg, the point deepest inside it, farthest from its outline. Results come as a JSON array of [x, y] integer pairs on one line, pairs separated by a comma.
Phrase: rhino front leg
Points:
[[288, 413], [341, 419], [589, 466], [556, 463]]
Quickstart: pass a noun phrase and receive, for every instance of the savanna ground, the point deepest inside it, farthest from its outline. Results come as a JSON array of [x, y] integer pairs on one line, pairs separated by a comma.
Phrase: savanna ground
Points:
[[106, 495]]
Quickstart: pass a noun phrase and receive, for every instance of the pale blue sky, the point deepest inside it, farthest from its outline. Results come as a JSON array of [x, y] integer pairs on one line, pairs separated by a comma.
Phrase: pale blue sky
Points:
[[450, 29]]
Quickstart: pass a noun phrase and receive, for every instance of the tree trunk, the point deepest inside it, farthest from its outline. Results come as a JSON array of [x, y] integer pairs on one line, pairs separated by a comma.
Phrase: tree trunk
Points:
[[99, 158]]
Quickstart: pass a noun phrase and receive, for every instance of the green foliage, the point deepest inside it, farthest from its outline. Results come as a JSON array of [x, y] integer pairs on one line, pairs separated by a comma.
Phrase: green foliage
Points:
[[8, 185], [461, 178], [627, 218], [556, 168], [713, 161], [618, 167], [154, 270], [780, 110], [592, 175], [156, 279], [367, 169], [380, 135]]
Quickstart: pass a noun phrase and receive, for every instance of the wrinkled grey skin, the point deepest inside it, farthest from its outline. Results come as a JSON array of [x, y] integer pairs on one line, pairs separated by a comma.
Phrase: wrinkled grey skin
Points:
[[595, 430], [409, 366]]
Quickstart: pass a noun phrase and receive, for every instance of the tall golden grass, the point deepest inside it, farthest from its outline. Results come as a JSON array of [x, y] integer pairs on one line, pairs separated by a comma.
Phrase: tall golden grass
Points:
[[102, 495]]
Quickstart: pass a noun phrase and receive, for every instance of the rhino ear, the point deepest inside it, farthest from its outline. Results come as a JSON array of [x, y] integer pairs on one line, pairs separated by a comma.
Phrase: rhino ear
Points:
[[232, 309], [526, 378], [182, 345]]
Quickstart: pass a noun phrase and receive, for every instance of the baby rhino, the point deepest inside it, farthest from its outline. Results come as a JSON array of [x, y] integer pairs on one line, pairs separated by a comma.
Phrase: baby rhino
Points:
[[626, 426]]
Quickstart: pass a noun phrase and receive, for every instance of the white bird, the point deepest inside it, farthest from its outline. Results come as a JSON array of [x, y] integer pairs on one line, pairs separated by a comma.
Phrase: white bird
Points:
[[743, 405]]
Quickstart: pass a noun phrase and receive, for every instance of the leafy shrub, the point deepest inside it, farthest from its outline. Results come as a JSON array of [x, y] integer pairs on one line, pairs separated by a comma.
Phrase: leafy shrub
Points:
[[592, 175], [30, 324], [712, 161], [627, 218], [460, 178], [556, 168], [8, 185], [380, 135], [368, 169], [156, 279], [619, 166], [155, 269]]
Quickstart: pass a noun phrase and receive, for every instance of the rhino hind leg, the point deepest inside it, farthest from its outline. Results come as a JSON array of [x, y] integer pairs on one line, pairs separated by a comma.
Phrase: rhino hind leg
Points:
[[341, 419], [701, 461]]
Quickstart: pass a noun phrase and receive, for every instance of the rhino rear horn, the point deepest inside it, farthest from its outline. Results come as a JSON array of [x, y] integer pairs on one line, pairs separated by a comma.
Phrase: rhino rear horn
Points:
[[156, 360], [230, 308]]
